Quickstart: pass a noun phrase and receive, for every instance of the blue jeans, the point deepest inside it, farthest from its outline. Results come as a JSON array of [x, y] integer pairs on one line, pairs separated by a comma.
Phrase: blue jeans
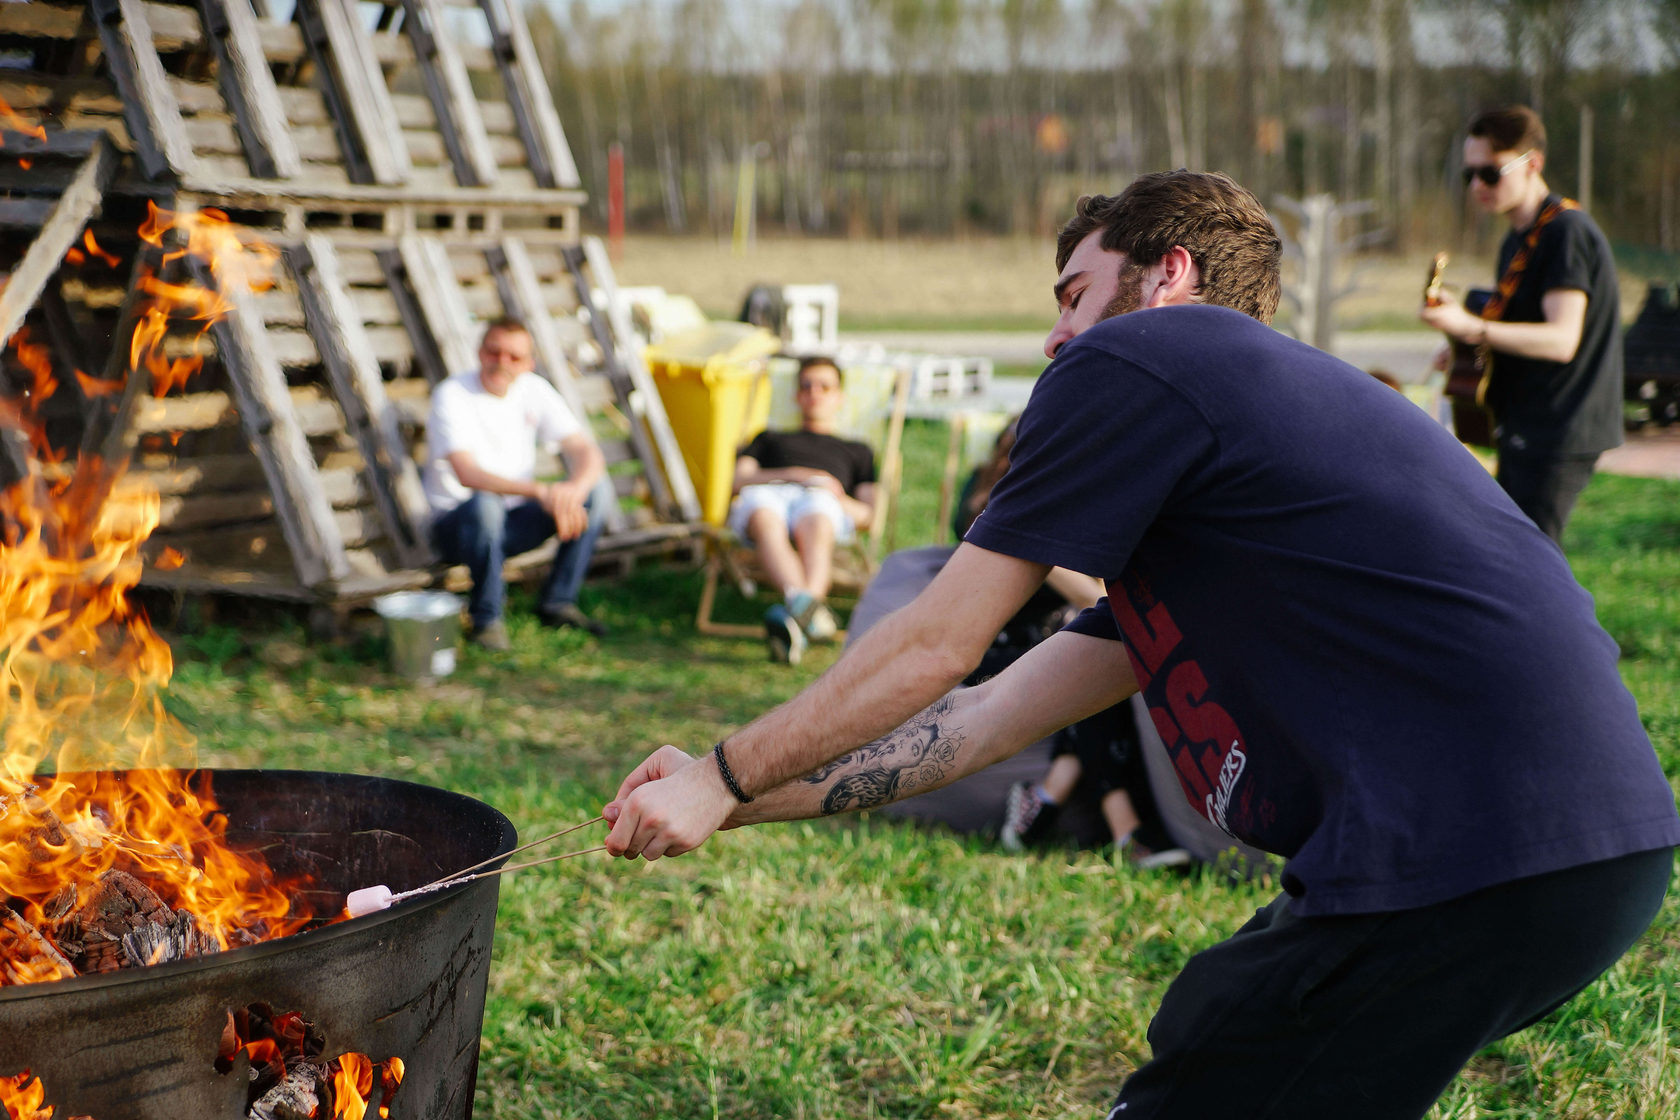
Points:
[[484, 531]]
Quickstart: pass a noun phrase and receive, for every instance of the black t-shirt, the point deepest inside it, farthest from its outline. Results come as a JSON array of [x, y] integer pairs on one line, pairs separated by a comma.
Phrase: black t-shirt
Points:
[[1360, 654], [1562, 408], [847, 460]]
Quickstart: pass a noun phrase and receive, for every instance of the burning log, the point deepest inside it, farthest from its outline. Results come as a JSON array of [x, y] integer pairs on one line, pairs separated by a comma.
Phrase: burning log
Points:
[[26, 956], [297, 1097], [123, 921]]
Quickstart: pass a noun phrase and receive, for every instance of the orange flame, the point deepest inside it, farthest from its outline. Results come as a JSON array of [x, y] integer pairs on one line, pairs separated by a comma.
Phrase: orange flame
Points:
[[110, 259], [82, 675], [352, 1076], [23, 1098], [10, 120]]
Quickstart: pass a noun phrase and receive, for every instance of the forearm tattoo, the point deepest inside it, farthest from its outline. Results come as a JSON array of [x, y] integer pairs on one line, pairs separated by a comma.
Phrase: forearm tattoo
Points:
[[916, 756]]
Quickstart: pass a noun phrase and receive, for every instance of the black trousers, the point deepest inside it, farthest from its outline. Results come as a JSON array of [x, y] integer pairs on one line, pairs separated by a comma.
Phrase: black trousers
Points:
[[1370, 1016], [1545, 486]]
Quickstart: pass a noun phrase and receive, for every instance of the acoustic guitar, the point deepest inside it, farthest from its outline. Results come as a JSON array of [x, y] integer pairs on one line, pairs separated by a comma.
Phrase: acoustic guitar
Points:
[[1468, 367]]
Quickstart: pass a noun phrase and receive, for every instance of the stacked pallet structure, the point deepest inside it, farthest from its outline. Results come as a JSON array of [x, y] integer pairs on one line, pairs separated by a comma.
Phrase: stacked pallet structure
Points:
[[407, 163]]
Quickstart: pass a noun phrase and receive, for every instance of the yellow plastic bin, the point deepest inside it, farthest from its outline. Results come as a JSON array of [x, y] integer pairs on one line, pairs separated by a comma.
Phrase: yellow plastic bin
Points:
[[714, 383]]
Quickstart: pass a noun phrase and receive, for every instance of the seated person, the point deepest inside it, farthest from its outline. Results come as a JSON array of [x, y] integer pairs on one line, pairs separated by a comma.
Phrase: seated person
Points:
[[480, 478], [1100, 758], [798, 494]]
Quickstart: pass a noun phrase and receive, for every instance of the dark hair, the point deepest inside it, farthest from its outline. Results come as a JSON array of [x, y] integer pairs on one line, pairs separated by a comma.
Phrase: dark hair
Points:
[[1223, 227], [810, 361], [504, 323], [1514, 128]]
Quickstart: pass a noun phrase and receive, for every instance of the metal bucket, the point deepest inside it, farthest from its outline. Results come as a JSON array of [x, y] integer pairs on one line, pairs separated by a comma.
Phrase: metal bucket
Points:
[[423, 627]]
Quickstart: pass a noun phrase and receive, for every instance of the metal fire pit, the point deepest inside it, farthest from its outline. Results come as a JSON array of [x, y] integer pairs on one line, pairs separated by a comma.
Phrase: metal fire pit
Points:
[[141, 1044]]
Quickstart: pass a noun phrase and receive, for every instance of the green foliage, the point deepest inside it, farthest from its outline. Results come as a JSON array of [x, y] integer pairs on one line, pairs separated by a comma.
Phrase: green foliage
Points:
[[857, 967]]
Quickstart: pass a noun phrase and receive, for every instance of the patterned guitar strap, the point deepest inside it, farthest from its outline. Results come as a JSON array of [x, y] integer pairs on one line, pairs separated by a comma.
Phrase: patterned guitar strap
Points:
[[1519, 261]]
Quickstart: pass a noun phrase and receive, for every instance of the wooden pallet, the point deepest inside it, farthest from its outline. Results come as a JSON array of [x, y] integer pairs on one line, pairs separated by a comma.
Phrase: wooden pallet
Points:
[[405, 211]]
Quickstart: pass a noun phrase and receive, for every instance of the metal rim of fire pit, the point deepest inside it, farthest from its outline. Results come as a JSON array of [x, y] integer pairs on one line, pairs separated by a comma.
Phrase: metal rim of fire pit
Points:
[[233, 957]]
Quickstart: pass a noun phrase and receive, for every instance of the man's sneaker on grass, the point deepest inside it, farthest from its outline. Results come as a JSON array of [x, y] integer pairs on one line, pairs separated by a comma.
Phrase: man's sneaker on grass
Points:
[[1147, 859], [782, 633], [1026, 817], [492, 636], [821, 626], [568, 615]]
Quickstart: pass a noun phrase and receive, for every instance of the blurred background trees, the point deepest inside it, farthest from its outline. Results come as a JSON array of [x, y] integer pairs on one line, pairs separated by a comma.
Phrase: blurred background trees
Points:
[[945, 117]]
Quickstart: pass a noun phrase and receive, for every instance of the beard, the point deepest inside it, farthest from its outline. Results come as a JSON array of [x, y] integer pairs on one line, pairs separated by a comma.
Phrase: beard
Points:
[[1128, 296]]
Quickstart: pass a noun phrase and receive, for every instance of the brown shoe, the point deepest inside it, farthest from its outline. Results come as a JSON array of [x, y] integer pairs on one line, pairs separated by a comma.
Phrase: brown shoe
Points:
[[492, 636]]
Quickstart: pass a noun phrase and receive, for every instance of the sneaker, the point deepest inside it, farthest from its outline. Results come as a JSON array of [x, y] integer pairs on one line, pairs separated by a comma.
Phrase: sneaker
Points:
[[1026, 817], [785, 638], [1146, 859], [821, 626], [492, 636], [567, 614]]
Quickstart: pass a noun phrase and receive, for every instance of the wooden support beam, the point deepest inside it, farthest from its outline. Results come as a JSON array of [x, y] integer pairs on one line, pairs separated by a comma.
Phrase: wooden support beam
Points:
[[450, 89], [433, 366], [611, 324], [521, 295], [64, 223], [528, 94], [354, 86], [353, 371], [437, 294], [248, 85], [265, 412], [149, 106]]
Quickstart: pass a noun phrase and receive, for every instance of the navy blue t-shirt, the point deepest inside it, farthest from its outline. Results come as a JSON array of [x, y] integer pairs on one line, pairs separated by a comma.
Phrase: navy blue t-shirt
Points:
[[1360, 654]]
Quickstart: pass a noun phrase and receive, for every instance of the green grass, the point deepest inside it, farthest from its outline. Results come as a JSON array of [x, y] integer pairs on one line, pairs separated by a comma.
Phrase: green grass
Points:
[[855, 967]]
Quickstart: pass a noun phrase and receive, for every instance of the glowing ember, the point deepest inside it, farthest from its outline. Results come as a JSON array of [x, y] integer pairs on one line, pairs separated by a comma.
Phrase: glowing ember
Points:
[[105, 869], [288, 1076]]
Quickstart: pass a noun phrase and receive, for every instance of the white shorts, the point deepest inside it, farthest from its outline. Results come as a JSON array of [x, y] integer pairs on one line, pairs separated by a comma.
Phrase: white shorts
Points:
[[791, 502]]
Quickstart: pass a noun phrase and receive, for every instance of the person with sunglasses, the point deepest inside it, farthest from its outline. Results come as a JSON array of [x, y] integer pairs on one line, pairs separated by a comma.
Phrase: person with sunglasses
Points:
[[1551, 328]]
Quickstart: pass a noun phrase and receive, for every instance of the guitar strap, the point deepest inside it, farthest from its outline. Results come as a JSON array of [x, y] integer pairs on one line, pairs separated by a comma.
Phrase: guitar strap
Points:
[[1519, 260]]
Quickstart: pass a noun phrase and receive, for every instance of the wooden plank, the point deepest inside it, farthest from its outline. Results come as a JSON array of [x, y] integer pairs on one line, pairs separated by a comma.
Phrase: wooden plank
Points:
[[149, 105], [64, 223], [451, 92], [529, 96], [199, 412], [432, 279], [49, 21], [357, 97], [433, 366], [644, 402], [353, 372], [271, 426], [248, 84], [516, 282]]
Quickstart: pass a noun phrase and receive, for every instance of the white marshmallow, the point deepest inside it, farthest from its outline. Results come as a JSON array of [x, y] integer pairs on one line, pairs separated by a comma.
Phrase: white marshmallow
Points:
[[367, 900]]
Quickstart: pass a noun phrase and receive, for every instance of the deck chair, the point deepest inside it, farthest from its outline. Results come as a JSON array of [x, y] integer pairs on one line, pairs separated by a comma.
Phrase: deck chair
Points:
[[876, 399], [974, 433]]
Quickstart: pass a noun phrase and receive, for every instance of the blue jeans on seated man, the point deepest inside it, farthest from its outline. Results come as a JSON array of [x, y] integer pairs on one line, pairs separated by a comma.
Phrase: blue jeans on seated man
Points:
[[484, 531]]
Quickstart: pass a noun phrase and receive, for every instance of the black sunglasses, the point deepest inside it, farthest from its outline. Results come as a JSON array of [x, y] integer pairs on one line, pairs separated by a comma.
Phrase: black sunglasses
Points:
[[1490, 174]]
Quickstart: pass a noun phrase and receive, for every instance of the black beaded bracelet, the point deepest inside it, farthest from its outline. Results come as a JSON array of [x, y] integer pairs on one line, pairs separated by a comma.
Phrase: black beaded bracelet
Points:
[[728, 775]]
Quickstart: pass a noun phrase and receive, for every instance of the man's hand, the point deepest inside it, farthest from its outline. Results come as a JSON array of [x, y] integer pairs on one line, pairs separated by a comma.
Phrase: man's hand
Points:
[[564, 501], [1446, 314], [822, 480], [667, 806]]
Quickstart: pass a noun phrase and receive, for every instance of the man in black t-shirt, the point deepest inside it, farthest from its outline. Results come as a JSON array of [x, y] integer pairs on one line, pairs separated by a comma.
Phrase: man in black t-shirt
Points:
[[1359, 654], [1553, 328], [798, 494]]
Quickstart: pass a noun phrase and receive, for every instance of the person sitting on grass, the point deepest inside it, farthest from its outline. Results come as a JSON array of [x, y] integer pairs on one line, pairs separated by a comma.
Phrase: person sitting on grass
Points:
[[480, 479], [1100, 757], [798, 494]]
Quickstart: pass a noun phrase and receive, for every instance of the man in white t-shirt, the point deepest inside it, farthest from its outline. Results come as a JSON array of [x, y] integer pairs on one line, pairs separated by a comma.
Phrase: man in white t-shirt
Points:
[[480, 477]]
